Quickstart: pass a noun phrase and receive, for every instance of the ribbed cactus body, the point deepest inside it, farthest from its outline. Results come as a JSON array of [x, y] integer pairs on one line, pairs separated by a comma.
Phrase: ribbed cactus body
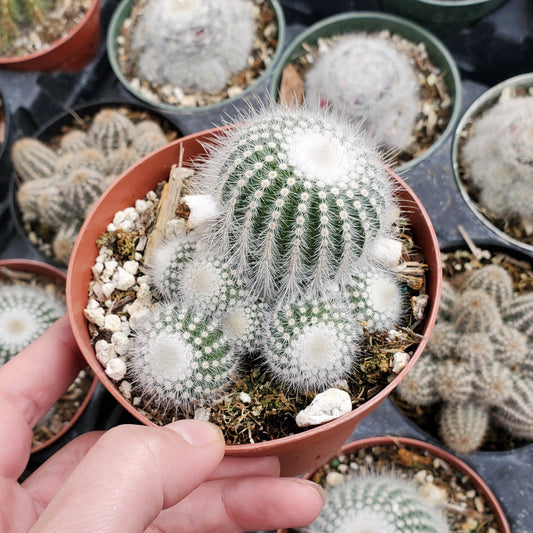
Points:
[[83, 186], [378, 503], [476, 311], [208, 42], [474, 347], [494, 280], [519, 313], [243, 323], [179, 358], [110, 130], [493, 382], [418, 386], [52, 207], [64, 240], [302, 194], [310, 344], [463, 426], [443, 341], [510, 345], [121, 159], [32, 159], [74, 141], [25, 313], [448, 300], [148, 141], [84, 158], [369, 79], [454, 382], [29, 194], [375, 299]]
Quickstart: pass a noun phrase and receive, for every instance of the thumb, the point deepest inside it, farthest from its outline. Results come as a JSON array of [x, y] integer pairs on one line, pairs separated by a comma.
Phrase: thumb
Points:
[[131, 474]]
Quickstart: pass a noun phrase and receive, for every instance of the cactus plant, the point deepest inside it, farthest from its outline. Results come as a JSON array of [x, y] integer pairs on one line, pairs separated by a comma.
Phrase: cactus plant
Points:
[[369, 79], [454, 382], [110, 129], [207, 40], [302, 197], [494, 280], [498, 156], [519, 313], [25, 313], [418, 386], [381, 503], [179, 358], [32, 159], [476, 311], [447, 299]]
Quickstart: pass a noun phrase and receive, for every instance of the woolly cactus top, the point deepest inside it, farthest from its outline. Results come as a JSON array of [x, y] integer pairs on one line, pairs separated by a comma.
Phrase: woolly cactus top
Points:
[[369, 79]]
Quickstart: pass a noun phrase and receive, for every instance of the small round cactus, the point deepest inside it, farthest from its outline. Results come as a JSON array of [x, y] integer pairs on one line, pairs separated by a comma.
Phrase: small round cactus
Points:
[[418, 386], [302, 196], [208, 41], [121, 159], [179, 358], [378, 503], [494, 280], [510, 345], [443, 341], [369, 79], [518, 313], [64, 240], [454, 382], [476, 311], [243, 324], [473, 348], [83, 186], [25, 313], [493, 382], [32, 159], [463, 426], [148, 141], [74, 141], [110, 129], [310, 344], [448, 299]]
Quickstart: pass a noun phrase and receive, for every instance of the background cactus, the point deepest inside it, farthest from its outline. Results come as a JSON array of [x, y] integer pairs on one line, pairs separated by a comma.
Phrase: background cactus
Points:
[[369, 79], [25, 313], [59, 186], [498, 157], [378, 503], [208, 42], [475, 361]]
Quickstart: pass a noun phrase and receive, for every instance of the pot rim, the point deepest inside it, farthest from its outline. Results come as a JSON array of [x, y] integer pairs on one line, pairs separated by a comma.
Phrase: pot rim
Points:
[[481, 104], [399, 22], [123, 10], [79, 323]]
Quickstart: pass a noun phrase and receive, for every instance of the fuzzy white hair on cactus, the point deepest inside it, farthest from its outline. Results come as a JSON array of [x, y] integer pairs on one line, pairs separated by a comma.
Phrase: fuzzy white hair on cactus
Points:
[[243, 324]]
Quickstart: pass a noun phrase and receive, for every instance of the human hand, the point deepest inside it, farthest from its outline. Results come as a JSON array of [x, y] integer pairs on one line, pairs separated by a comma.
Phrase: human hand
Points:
[[131, 478]]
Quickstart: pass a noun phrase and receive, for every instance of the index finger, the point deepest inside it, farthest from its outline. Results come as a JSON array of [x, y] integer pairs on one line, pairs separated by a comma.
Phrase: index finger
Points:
[[30, 384]]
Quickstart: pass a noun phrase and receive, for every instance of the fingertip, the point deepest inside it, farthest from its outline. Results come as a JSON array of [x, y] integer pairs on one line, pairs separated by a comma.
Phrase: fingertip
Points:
[[197, 432], [317, 489]]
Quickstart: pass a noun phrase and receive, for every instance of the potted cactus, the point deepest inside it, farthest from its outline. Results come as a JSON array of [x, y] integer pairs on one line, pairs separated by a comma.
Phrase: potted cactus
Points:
[[60, 173], [389, 73], [288, 240], [202, 54], [491, 155], [401, 484], [472, 387], [48, 35], [32, 298]]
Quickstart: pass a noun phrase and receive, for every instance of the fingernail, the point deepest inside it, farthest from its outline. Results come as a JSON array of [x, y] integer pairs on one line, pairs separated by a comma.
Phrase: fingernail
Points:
[[197, 432], [316, 487]]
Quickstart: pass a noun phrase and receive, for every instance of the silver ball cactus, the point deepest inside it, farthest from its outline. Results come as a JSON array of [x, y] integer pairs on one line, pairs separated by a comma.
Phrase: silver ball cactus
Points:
[[110, 129], [25, 313], [518, 313], [369, 79], [378, 503], [498, 156], [302, 195], [207, 42], [418, 386], [494, 280], [310, 344], [32, 159], [179, 359], [476, 311]]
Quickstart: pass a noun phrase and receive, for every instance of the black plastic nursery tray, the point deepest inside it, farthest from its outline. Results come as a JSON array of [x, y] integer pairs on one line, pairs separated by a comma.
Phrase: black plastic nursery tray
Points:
[[497, 47]]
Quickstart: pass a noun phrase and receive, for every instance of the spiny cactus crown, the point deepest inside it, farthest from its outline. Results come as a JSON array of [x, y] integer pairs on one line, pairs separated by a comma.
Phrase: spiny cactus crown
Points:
[[302, 196], [369, 79], [378, 503], [25, 313], [180, 358], [208, 42], [60, 186], [498, 156], [474, 359]]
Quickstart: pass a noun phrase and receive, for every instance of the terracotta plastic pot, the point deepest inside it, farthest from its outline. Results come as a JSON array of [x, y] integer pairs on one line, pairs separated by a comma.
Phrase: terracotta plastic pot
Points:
[[71, 53], [49, 271], [443, 16], [421, 447], [123, 11], [368, 22], [300, 452], [476, 109]]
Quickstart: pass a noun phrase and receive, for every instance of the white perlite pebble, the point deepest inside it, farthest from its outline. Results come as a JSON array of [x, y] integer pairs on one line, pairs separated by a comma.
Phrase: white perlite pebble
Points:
[[333, 479], [326, 406], [244, 397], [107, 289], [123, 280], [125, 389], [112, 322], [104, 352], [432, 494], [116, 369], [121, 342], [202, 413], [399, 361], [131, 267], [95, 316], [386, 251], [203, 208]]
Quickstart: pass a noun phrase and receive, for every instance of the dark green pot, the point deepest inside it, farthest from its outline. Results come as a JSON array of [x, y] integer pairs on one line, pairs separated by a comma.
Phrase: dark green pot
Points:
[[369, 21]]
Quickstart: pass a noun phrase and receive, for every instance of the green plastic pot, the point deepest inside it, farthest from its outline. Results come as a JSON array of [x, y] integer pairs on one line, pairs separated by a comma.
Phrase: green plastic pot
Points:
[[369, 22], [485, 101], [123, 11], [444, 17]]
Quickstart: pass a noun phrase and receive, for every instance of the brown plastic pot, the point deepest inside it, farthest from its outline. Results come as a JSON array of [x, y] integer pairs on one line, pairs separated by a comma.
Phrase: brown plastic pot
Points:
[[44, 269], [300, 452], [70, 53], [421, 446]]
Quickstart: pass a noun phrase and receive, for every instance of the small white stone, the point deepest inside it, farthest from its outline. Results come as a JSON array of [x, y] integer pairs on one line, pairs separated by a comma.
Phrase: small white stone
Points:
[[203, 209], [123, 280], [138, 256], [333, 479], [96, 316], [92, 304], [326, 406], [399, 361], [111, 227], [104, 352], [244, 397], [141, 206], [202, 413], [125, 389], [143, 291], [418, 305], [118, 218], [131, 267], [433, 495], [112, 322], [116, 369], [121, 342], [110, 267], [97, 269], [387, 251], [107, 289]]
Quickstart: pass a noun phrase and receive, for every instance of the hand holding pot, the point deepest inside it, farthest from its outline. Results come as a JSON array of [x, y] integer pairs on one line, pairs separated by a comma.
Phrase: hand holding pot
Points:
[[130, 478]]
